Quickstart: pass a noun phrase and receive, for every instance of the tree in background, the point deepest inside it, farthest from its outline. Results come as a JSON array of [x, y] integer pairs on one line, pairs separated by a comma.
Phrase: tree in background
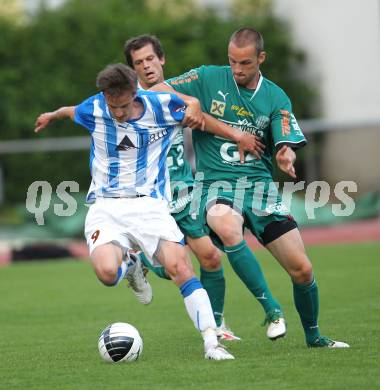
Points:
[[53, 59]]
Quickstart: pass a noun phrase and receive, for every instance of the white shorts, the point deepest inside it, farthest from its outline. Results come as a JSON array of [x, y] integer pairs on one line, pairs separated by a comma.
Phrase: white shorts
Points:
[[131, 223]]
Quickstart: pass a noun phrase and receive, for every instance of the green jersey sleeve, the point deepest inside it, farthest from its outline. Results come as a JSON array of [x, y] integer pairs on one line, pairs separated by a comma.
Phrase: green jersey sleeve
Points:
[[189, 83], [284, 125]]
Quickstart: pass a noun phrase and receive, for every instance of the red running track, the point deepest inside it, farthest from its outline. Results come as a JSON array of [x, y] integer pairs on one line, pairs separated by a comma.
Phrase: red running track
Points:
[[355, 232]]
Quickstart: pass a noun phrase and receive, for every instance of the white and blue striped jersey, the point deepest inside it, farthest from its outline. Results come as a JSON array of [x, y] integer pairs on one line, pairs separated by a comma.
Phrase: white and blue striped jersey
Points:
[[130, 158]]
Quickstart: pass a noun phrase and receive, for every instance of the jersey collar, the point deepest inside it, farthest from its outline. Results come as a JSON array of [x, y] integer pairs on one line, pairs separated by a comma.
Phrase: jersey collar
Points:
[[139, 86], [257, 88]]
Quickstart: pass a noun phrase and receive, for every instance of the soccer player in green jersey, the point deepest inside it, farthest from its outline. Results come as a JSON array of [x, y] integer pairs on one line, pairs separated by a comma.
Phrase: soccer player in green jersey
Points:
[[145, 54], [235, 195]]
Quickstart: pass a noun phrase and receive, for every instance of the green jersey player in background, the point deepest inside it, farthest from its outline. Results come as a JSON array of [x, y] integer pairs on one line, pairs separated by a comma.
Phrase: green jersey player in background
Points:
[[237, 195], [145, 54]]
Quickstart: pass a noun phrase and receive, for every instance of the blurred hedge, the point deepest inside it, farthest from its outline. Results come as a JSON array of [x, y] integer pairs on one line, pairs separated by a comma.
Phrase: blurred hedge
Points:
[[53, 61]]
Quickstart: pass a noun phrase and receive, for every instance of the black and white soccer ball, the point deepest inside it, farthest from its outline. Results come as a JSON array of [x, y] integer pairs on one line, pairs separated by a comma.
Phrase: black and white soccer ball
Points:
[[120, 342]]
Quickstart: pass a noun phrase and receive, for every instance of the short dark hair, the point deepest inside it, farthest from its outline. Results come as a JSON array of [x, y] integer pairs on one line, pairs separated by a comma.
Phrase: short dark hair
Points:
[[248, 36], [116, 79], [140, 41]]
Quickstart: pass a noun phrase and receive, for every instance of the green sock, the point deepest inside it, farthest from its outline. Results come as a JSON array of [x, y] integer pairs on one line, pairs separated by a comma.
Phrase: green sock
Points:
[[307, 304], [159, 271], [215, 285], [246, 266]]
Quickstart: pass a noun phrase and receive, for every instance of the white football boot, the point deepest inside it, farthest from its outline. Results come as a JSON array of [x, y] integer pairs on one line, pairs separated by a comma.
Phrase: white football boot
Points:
[[214, 350], [136, 280], [276, 329], [218, 352], [326, 342], [223, 332]]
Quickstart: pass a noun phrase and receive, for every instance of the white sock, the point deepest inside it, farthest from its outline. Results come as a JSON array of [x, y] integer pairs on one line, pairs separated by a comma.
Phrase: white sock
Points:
[[210, 339], [199, 308]]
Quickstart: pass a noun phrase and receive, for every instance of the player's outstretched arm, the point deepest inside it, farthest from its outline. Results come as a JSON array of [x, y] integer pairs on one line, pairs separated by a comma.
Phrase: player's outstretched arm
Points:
[[46, 118], [193, 114], [285, 158]]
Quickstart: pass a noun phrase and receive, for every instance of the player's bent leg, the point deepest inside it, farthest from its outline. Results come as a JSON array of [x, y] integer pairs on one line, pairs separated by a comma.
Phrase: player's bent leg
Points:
[[175, 260], [245, 265], [226, 223], [208, 255], [111, 266], [173, 257], [289, 250], [106, 260]]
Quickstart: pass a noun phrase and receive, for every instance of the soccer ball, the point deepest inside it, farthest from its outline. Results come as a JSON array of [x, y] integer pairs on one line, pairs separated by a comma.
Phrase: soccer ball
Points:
[[120, 342]]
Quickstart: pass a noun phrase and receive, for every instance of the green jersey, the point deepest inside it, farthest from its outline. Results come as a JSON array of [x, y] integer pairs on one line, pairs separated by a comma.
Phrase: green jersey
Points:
[[179, 167], [180, 173], [265, 112]]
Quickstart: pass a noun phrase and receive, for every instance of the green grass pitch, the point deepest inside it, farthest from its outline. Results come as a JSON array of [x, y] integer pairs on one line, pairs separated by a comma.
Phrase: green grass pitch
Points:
[[51, 314]]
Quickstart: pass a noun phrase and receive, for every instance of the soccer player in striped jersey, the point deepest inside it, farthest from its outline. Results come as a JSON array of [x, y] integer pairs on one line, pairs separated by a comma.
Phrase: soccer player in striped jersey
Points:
[[131, 132], [146, 55]]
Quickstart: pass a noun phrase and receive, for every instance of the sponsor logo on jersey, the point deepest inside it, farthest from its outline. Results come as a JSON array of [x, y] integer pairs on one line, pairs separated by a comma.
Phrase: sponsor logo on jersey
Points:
[[223, 95], [241, 111], [277, 208], [289, 123], [217, 107], [185, 78], [295, 125], [262, 122], [257, 127], [176, 206], [244, 125], [127, 143], [285, 123], [157, 136]]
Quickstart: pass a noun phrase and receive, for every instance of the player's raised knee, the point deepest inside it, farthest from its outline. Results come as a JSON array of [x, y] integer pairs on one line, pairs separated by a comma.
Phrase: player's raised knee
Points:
[[228, 234], [108, 277], [106, 273]]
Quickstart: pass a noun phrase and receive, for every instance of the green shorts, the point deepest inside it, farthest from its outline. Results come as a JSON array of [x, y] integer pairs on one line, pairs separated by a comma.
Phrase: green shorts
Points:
[[259, 209], [189, 224]]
